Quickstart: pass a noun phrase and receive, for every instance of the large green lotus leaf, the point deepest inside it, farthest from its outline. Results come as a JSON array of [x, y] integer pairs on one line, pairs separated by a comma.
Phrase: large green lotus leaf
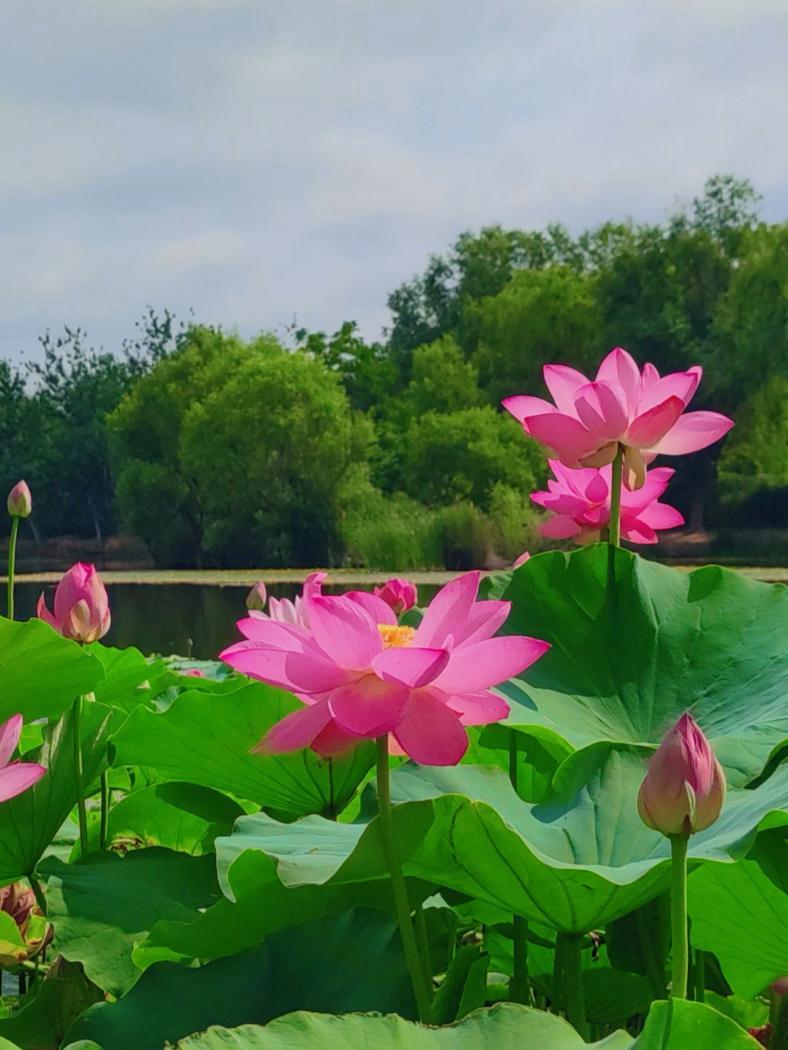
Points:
[[635, 644], [574, 864], [29, 822], [205, 738], [676, 1025], [40, 672], [183, 817], [234, 925], [346, 963], [741, 914], [103, 907], [130, 678], [49, 1008]]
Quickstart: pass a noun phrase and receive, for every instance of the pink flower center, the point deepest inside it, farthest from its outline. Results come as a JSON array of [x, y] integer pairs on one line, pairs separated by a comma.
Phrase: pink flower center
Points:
[[395, 637]]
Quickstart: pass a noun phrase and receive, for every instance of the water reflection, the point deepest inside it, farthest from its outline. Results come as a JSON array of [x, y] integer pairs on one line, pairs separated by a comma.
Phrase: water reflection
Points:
[[181, 618]]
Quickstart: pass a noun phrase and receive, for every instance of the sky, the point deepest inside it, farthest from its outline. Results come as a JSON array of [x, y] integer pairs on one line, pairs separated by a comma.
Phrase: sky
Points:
[[264, 162]]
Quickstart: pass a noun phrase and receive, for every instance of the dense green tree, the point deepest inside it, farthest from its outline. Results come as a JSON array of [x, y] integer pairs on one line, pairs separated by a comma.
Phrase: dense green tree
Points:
[[367, 371]]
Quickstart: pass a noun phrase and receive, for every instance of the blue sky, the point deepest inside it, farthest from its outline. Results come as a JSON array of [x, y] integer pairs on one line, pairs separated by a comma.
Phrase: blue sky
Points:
[[259, 162]]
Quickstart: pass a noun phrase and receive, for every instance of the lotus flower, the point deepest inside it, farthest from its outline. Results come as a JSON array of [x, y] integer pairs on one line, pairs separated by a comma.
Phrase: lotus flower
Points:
[[361, 675], [15, 777], [20, 501], [283, 610], [580, 504], [400, 594], [684, 787], [256, 598], [81, 605], [643, 412]]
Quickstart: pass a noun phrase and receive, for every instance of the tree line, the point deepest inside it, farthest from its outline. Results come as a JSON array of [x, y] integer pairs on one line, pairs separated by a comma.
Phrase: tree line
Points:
[[322, 448]]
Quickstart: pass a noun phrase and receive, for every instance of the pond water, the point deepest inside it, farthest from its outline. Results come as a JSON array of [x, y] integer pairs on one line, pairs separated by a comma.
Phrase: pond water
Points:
[[187, 619]]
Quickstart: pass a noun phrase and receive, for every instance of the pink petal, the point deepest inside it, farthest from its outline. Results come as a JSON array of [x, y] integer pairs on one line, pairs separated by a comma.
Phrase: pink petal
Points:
[[620, 370], [377, 610], [479, 709], [562, 382], [521, 405], [295, 731], [370, 707], [647, 429], [563, 504], [10, 731], [565, 434], [695, 430], [409, 665], [655, 484], [333, 741], [18, 777], [44, 614], [601, 411], [430, 733], [258, 661], [649, 376], [598, 489], [344, 631], [273, 633], [638, 532], [485, 617], [661, 516], [677, 384], [311, 671], [70, 589], [448, 610], [476, 667], [559, 527]]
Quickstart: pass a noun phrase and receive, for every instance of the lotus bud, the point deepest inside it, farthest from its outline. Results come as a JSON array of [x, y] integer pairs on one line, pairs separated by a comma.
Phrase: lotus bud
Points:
[[400, 594], [17, 900], [20, 502], [256, 598], [684, 788], [81, 609]]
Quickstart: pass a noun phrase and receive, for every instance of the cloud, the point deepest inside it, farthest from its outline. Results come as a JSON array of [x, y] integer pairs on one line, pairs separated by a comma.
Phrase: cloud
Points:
[[258, 162]]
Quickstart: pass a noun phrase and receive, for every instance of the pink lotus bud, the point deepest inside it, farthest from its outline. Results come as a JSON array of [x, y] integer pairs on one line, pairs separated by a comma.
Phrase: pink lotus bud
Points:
[[20, 502], [257, 597], [684, 787], [81, 607], [17, 900], [400, 594]]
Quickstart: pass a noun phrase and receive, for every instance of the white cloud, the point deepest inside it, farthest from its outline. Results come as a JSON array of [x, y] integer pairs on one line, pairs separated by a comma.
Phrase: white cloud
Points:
[[256, 161]]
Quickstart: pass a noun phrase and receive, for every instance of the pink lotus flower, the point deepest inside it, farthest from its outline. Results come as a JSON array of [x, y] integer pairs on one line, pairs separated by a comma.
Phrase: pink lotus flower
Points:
[[20, 501], [580, 504], [283, 610], [643, 412], [18, 901], [81, 605], [400, 594], [193, 672], [256, 598], [15, 777], [361, 675], [684, 788]]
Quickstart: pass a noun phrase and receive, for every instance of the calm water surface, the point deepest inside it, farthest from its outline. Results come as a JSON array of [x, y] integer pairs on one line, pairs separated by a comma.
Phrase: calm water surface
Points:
[[187, 619]]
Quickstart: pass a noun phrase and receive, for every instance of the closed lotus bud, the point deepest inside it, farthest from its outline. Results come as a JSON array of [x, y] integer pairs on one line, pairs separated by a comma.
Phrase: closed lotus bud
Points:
[[20, 502], [256, 598], [81, 607], [400, 594], [17, 900], [684, 787]]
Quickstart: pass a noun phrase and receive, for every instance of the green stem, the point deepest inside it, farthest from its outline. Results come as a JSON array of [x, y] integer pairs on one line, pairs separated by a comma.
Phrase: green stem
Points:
[[700, 976], [678, 912], [558, 975], [519, 991], [779, 1039], [615, 499], [422, 940], [398, 887], [573, 983], [79, 779], [104, 819], [12, 567], [38, 893]]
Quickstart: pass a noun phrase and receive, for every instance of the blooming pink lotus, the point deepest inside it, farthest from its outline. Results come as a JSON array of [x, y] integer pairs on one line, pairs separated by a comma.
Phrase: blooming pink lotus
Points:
[[400, 594], [361, 675], [684, 788], [81, 605], [20, 501], [643, 412], [283, 610], [580, 504], [15, 777]]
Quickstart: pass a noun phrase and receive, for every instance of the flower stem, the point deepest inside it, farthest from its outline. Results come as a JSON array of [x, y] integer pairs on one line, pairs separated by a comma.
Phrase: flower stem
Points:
[[678, 911], [79, 778], [105, 801], [615, 499], [422, 940], [519, 990], [573, 983], [558, 975], [398, 887], [779, 1039], [38, 893], [12, 567]]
